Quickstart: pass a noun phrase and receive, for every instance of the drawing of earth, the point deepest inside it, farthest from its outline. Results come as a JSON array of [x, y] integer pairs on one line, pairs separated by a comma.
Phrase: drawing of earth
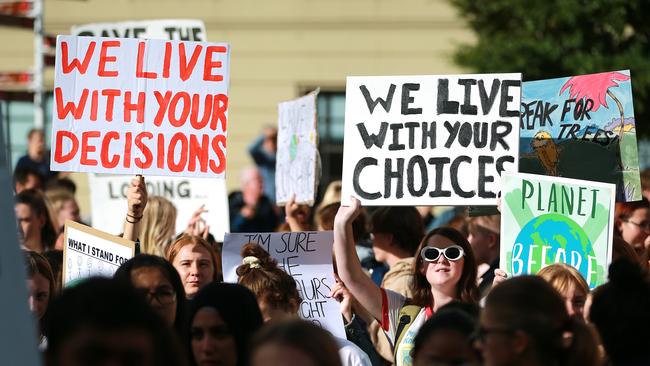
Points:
[[556, 231], [293, 147]]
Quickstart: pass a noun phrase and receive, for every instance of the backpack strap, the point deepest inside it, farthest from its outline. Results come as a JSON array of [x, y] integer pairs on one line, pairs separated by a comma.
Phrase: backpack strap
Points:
[[407, 315]]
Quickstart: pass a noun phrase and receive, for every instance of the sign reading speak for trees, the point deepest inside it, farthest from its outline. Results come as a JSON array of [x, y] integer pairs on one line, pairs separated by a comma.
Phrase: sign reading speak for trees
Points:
[[429, 140], [128, 106]]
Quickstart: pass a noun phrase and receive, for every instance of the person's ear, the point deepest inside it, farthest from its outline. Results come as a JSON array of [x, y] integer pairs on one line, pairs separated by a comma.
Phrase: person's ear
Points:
[[494, 241], [520, 342], [293, 306]]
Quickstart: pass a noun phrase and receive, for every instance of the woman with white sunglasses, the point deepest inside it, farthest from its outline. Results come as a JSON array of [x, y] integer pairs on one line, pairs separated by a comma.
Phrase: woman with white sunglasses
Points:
[[445, 270]]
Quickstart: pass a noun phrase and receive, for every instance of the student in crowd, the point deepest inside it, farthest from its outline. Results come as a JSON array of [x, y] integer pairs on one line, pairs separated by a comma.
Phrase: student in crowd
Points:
[[446, 339], [195, 261], [250, 209], [37, 157], [568, 282], [484, 238], [619, 311], [102, 321], [263, 151], [159, 284], [525, 322], [396, 233], [632, 223], [278, 297], [294, 342], [35, 221], [27, 178], [222, 320], [445, 270], [42, 287], [64, 206]]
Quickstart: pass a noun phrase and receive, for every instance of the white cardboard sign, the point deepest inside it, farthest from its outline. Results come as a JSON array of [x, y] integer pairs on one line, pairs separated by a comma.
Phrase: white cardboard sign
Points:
[[307, 257], [174, 29], [150, 107], [296, 164], [108, 196], [89, 252], [429, 140]]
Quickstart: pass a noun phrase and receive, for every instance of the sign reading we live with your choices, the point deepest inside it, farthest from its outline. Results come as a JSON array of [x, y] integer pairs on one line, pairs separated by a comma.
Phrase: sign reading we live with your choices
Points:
[[429, 140], [129, 106]]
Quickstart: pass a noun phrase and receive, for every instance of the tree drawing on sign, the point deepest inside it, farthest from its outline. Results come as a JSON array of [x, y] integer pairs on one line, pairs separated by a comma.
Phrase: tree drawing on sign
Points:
[[296, 163]]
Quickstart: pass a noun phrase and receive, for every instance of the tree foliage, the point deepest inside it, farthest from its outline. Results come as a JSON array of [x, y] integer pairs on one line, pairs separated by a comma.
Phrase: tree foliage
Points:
[[557, 38]]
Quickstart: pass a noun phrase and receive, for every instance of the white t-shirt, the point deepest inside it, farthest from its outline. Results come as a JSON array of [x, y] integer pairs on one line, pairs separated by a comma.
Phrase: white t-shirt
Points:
[[392, 303], [351, 354]]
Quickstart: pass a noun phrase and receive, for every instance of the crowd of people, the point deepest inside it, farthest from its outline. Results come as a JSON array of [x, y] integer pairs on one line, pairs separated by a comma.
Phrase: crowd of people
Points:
[[414, 287]]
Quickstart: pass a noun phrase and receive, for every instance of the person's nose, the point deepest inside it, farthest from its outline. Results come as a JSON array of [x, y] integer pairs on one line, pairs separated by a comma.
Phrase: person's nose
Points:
[[32, 304]]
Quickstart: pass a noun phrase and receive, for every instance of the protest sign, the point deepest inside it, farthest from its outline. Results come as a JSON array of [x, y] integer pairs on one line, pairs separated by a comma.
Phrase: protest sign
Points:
[[151, 107], [307, 257], [297, 157], [429, 140], [108, 196], [582, 127], [172, 29], [17, 334], [89, 252], [546, 220]]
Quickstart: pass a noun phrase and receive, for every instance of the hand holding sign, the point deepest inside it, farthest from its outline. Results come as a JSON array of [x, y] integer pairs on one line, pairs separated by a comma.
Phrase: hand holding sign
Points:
[[296, 214], [347, 214], [137, 198]]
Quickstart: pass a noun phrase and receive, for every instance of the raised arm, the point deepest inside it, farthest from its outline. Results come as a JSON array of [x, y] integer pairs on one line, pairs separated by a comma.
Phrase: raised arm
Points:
[[137, 201], [293, 212], [348, 264]]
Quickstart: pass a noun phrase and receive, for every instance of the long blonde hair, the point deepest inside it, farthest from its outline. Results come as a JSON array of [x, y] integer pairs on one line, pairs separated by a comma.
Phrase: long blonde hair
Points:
[[158, 226]]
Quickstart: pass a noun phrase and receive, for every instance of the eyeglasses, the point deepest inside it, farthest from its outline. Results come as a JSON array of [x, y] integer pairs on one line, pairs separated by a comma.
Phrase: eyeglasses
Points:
[[163, 296], [452, 253], [645, 226], [482, 332]]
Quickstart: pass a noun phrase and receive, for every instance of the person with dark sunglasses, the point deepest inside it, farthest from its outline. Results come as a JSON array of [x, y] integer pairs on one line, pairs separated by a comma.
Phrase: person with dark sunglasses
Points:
[[444, 271]]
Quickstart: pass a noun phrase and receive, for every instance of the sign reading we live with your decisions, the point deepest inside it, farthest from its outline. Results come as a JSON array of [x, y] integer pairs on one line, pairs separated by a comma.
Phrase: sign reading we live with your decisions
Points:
[[429, 140], [129, 106]]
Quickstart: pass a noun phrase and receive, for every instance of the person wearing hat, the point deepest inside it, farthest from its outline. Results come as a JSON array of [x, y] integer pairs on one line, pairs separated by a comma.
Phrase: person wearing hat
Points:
[[484, 237]]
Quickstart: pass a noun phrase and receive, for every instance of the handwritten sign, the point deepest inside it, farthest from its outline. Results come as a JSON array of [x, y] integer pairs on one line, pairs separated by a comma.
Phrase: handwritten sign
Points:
[[582, 127], [307, 257], [297, 158], [173, 29], [429, 140], [108, 195], [89, 252], [17, 334], [151, 107], [546, 220]]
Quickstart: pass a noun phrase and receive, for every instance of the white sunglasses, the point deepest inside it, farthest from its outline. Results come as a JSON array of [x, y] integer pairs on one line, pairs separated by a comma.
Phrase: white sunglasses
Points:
[[452, 253]]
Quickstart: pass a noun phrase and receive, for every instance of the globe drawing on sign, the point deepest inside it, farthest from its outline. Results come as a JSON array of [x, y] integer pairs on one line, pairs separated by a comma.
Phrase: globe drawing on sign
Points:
[[293, 147], [564, 241]]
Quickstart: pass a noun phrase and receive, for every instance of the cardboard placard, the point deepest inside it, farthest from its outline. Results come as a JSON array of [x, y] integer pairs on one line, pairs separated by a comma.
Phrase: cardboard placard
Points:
[[108, 196], [582, 127], [89, 252], [173, 29], [17, 334], [297, 157], [546, 220], [429, 140], [150, 107], [307, 257]]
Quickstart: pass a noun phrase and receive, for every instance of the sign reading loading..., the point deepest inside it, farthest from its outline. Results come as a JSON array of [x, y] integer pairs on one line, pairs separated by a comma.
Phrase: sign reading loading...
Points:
[[582, 127], [151, 107], [307, 257], [89, 252], [429, 140], [546, 220], [108, 196], [297, 160], [176, 29]]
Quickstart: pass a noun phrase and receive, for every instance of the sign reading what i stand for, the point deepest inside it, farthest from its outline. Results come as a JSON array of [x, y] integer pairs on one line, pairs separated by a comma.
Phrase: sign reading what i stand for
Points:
[[307, 257], [429, 140], [150, 107], [89, 252], [546, 220]]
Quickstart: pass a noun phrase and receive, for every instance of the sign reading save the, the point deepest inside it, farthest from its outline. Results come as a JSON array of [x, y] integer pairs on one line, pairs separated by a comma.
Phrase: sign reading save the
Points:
[[129, 106]]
